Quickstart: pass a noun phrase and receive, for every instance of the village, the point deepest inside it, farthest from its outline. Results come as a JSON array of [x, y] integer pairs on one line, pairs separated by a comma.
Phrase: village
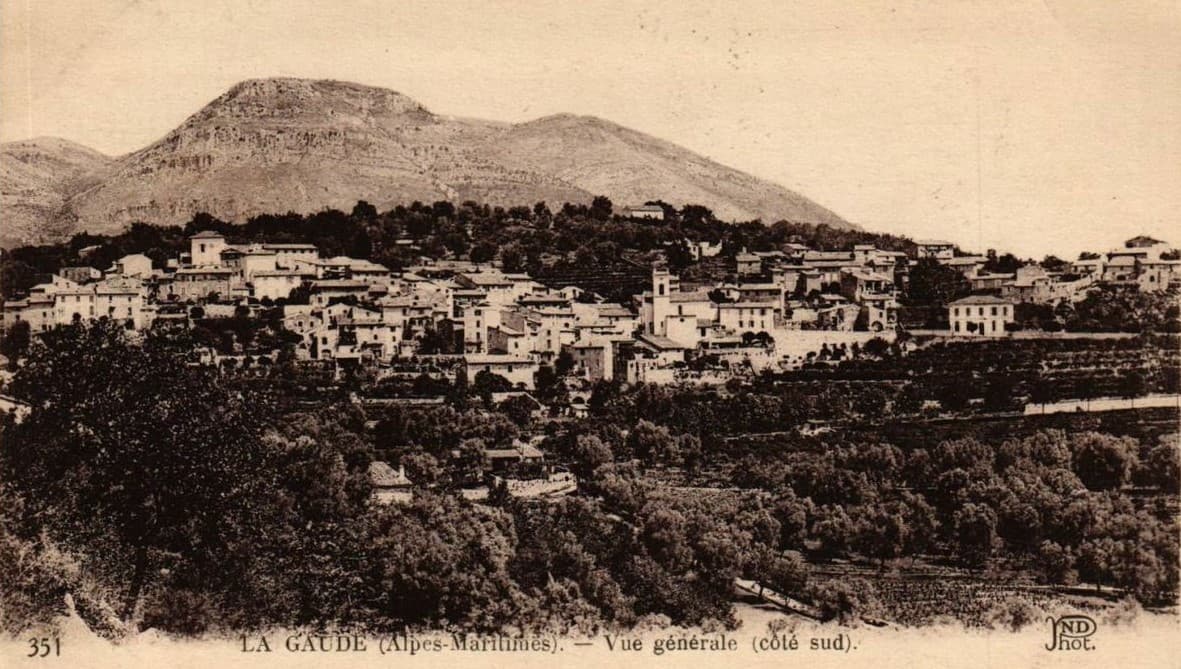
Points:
[[782, 309], [448, 318]]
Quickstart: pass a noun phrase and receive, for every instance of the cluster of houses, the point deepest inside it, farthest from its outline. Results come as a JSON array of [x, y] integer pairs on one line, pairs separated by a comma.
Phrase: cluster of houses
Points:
[[1143, 263], [781, 308], [347, 310]]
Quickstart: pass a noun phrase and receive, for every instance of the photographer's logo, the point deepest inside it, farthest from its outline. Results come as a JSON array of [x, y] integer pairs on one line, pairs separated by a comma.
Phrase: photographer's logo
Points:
[[1071, 633]]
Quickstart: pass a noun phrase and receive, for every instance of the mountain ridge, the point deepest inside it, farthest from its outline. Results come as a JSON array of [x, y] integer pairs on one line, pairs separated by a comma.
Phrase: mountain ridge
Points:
[[287, 144]]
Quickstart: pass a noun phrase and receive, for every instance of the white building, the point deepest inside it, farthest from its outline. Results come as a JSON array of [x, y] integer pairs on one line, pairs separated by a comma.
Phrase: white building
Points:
[[205, 248], [935, 248], [980, 315], [276, 284], [519, 371], [134, 265]]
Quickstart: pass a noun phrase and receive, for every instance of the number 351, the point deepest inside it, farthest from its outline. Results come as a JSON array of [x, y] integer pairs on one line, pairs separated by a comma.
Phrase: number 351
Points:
[[44, 647]]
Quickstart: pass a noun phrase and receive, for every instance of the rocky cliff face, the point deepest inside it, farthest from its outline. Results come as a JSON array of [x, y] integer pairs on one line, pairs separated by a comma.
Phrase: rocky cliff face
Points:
[[277, 145]]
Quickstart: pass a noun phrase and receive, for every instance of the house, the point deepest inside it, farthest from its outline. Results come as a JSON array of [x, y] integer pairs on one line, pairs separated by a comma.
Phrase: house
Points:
[[520, 460], [286, 255], [276, 284], [1143, 242], [748, 264], [980, 315], [1121, 268], [1088, 266], [477, 319], [134, 265], [338, 289], [652, 212], [81, 274], [990, 282], [1031, 284], [593, 360], [969, 266], [749, 316], [198, 283], [519, 371], [205, 248], [1156, 274], [857, 285], [389, 485], [509, 340], [935, 248], [37, 310], [248, 260], [662, 349], [120, 300]]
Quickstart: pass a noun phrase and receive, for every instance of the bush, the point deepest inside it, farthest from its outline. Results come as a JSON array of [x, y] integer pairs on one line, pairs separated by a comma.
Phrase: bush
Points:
[[1013, 613], [846, 600]]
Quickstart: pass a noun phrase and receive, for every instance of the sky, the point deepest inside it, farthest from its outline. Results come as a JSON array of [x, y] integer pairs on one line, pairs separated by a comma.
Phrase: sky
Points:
[[1037, 127]]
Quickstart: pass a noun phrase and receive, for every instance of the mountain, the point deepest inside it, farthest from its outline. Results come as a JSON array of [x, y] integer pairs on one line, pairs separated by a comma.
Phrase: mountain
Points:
[[37, 177], [277, 145]]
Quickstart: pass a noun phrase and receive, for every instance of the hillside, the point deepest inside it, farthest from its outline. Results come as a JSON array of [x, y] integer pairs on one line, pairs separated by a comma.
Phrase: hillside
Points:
[[36, 178], [274, 145]]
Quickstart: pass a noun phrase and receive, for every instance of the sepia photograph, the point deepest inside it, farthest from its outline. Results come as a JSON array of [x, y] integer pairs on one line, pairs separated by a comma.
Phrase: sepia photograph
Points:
[[506, 334]]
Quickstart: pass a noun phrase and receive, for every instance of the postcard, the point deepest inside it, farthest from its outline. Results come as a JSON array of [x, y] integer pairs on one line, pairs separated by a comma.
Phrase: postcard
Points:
[[535, 334]]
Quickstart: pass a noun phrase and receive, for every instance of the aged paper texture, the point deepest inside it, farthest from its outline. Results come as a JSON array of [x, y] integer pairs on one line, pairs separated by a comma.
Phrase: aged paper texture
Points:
[[515, 334]]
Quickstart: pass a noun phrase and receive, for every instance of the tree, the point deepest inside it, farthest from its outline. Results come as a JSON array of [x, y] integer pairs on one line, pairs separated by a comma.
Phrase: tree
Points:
[[512, 257], [483, 252], [519, 409], [679, 256], [870, 402], [999, 393], [423, 469], [975, 533], [601, 208], [649, 442], [954, 395], [16, 277], [1041, 392], [487, 382], [100, 473], [438, 561], [881, 533], [846, 600], [1163, 466], [363, 211], [1132, 385], [1055, 564], [15, 341], [1103, 462], [1052, 263], [909, 400], [564, 363], [933, 283]]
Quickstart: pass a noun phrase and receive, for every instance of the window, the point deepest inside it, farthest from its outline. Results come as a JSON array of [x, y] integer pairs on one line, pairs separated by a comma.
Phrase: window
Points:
[[994, 311]]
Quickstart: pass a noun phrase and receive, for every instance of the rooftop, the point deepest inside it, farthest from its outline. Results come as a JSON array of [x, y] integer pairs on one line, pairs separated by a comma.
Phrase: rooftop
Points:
[[979, 299]]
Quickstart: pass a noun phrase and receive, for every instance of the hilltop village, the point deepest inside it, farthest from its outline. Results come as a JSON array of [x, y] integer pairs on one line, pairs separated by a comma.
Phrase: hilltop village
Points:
[[776, 310]]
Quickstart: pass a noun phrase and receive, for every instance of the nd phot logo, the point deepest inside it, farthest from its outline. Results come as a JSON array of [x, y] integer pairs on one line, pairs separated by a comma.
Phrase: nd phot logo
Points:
[[1071, 633]]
